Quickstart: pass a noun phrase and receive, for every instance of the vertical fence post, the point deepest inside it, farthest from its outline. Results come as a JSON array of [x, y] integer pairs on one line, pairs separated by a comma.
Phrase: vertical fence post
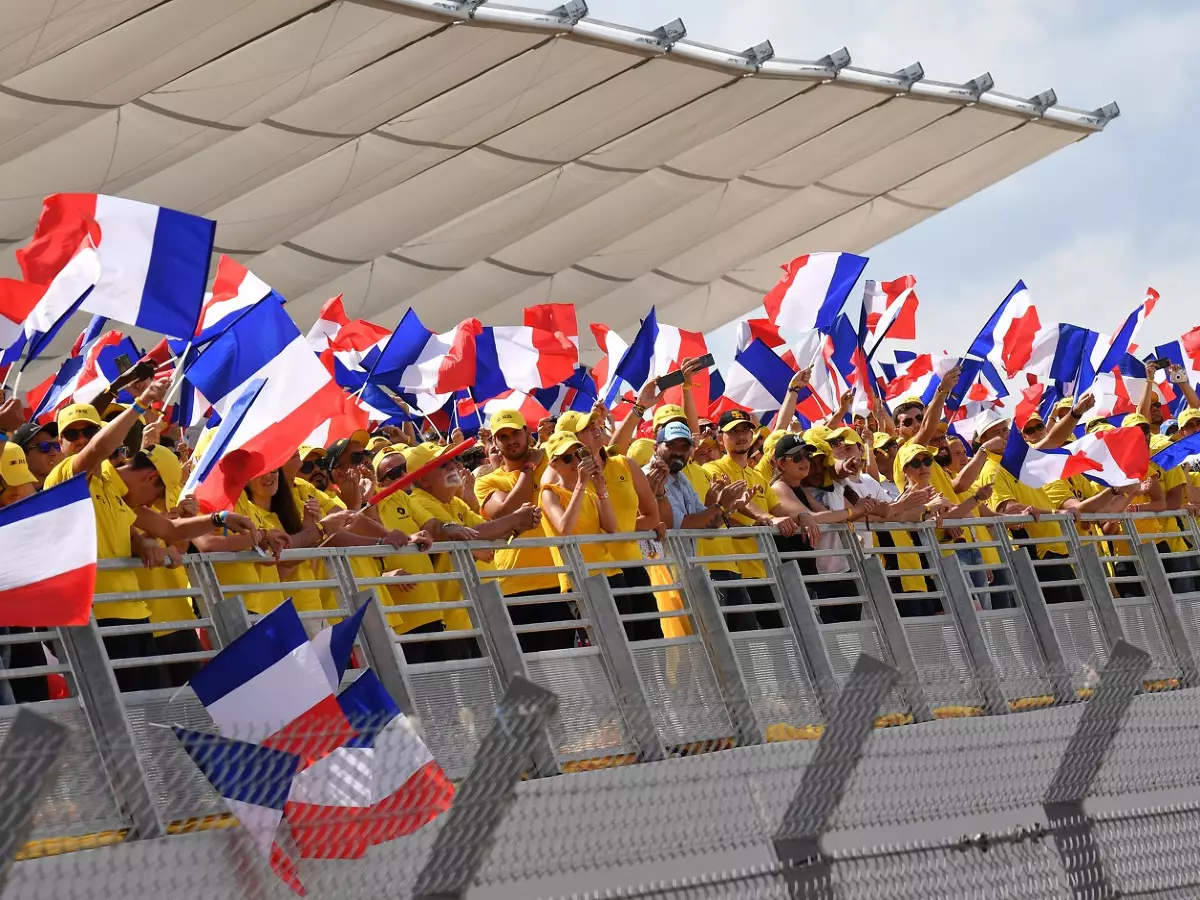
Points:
[[880, 595], [1164, 600], [715, 635], [797, 841], [1029, 593], [1092, 570], [29, 761], [963, 608], [465, 836], [204, 578], [631, 694], [505, 650], [385, 658], [101, 699], [1077, 770], [802, 614]]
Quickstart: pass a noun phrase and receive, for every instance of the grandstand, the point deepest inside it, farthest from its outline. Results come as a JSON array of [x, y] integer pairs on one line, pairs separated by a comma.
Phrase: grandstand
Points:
[[469, 159]]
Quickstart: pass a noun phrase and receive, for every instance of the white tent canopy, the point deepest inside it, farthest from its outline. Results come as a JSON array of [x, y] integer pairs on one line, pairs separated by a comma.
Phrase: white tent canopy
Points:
[[470, 159]]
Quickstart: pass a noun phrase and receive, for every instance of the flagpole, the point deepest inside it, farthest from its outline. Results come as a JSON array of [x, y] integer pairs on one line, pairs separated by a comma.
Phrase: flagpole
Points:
[[177, 379]]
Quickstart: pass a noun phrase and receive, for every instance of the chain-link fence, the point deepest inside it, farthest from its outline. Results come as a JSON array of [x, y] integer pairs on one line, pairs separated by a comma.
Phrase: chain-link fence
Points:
[[895, 716]]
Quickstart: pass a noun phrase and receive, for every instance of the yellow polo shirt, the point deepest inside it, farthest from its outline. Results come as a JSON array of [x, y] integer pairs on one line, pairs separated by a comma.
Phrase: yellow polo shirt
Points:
[[400, 512], [762, 495], [455, 512], [169, 609], [1005, 487], [701, 482], [114, 519], [509, 559]]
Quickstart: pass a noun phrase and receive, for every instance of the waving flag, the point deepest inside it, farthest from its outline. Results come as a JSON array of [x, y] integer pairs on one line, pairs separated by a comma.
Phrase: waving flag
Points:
[[330, 320], [521, 358], [416, 359], [758, 379], [635, 366], [763, 329], [1029, 404], [296, 396], [919, 376], [1176, 453], [813, 290], [40, 589], [557, 318], [526, 404], [1007, 337], [1115, 458], [380, 785], [1057, 353], [254, 782], [77, 368], [578, 392], [890, 309], [100, 368], [18, 299], [153, 262], [604, 372], [1118, 345], [356, 349]]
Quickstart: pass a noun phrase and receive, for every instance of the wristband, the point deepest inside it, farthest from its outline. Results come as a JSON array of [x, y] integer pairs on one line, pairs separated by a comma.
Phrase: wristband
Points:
[[685, 387], [138, 408], [639, 410]]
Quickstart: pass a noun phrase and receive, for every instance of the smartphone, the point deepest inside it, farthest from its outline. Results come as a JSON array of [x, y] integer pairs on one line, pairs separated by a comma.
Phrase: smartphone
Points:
[[123, 363], [706, 361], [1163, 362], [670, 380]]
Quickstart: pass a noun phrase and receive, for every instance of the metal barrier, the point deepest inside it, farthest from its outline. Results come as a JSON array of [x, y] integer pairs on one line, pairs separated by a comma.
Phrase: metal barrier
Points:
[[714, 661]]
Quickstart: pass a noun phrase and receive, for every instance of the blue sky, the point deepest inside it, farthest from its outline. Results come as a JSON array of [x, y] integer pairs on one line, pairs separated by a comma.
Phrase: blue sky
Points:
[[1087, 229]]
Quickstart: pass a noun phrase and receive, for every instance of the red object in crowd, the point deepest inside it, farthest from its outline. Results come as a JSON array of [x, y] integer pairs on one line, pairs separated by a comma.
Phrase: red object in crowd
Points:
[[451, 453]]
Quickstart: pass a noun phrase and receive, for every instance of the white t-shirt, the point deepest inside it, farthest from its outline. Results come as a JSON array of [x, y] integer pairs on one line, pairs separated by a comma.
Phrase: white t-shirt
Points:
[[867, 488]]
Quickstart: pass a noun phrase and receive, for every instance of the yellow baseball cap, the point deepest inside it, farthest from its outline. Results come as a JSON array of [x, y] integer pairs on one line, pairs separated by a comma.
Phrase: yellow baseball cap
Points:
[[306, 451], [881, 439], [360, 437], [666, 413], [911, 451], [1064, 403], [641, 450], [169, 470], [508, 419], [76, 413], [1134, 419], [389, 450], [911, 400], [14, 470], [846, 434], [423, 455], [817, 433], [1159, 442], [573, 421], [378, 442], [1097, 425], [1188, 416], [559, 443]]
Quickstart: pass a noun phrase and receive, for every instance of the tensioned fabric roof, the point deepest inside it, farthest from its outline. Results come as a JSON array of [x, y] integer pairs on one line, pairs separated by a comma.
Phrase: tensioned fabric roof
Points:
[[469, 159]]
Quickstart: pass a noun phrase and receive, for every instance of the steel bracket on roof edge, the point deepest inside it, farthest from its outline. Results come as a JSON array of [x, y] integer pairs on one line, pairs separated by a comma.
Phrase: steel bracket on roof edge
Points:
[[1044, 100], [1106, 113], [981, 85], [837, 60], [468, 7], [666, 36], [910, 75], [759, 53], [571, 13]]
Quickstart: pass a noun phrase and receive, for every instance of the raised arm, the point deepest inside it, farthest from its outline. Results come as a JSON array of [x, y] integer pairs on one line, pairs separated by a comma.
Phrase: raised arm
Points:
[[933, 412]]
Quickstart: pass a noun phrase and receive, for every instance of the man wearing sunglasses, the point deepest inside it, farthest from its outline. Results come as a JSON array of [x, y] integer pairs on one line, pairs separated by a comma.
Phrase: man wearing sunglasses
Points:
[[42, 450], [124, 530]]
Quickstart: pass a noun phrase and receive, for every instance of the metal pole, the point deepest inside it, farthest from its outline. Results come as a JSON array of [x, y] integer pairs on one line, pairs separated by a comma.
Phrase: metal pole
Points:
[[1077, 770], [29, 762], [614, 648], [484, 797], [963, 609], [880, 595], [1102, 598], [1164, 599], [797, 841], [1029, 594], [802, 614]]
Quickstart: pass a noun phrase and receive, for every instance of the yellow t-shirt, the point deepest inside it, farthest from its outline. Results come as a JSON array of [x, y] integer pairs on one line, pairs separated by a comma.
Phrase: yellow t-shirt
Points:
[[455, 512], [587, 523], [1005, 487], [169, 609], [114, 519], [1173, 478], [701, 482], [762, 495], [400, 512], [624, 499], [525, 558], [254, 573]]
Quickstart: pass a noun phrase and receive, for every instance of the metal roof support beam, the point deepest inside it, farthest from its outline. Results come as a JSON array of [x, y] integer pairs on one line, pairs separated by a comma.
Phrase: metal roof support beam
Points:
[[666, 36], [980, 85]]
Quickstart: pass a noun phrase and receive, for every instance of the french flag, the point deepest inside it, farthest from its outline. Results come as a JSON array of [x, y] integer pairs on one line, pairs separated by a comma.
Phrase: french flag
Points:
[[758, 379], [526, 404], [77, 368], [671, 348], [1007, 337], [354, 416], [330, 320], [416, 359], [520, 357], [890, 308], [294, 394], [763, 329], [40, 589], [604, 372], [917, 376], [1115, 458], [635, 365], [1058, 352], [1029, 404], [100, 367], [1118, 346], [1174, 454], [380, 785], [813, 290], [356, 348], [235, 290], [557, 318], [578, 393], [18, 299], [152, 261]]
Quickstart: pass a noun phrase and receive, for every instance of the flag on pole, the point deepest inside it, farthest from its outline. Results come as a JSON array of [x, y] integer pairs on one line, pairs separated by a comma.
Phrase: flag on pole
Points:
[[1115, 457], [813, 290], [1007, 337]]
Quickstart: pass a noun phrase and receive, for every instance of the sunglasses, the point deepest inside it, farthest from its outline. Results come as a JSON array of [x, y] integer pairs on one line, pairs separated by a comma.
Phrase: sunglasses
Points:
[[87, 431], [923, 463], [46, 447], [308, 467], [1033, 429], [905, 421], [569, 458], [392, 474], [357, 457]]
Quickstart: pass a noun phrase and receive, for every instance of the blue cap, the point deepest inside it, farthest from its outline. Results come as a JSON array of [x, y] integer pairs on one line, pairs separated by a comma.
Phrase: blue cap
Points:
[[674, 431]]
